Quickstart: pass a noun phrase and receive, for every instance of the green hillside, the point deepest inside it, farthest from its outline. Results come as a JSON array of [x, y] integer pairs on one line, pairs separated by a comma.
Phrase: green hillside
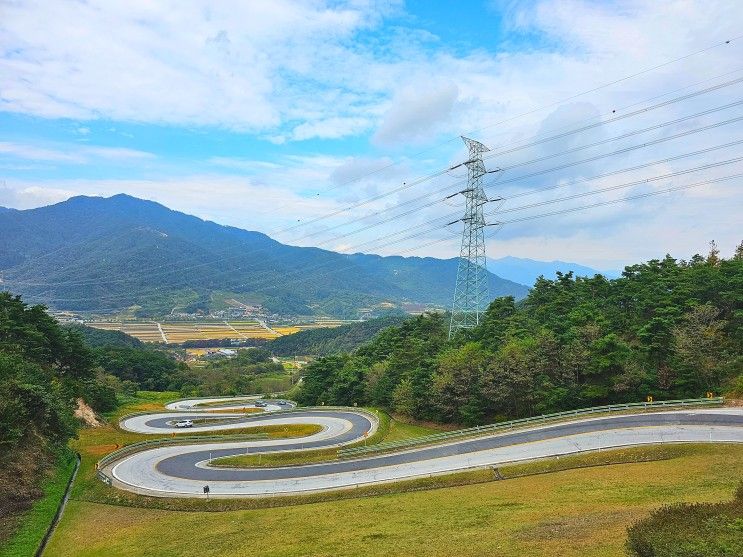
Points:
[[91, 253], [665, 328], [96, 338], [325, 341], [44, 370]]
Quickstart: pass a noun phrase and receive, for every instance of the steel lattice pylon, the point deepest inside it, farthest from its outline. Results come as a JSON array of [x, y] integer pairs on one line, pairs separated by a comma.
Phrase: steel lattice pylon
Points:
[[471, 291]]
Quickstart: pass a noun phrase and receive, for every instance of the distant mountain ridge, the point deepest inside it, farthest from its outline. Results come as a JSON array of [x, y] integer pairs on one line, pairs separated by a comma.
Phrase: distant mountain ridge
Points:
[[96, 254], [526, 271]]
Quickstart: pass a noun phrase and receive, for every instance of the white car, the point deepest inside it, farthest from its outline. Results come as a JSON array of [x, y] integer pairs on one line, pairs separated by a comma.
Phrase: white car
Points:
[[184, 423]]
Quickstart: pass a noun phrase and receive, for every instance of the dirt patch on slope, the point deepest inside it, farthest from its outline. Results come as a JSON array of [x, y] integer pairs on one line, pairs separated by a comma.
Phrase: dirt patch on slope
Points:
[[85, 413]]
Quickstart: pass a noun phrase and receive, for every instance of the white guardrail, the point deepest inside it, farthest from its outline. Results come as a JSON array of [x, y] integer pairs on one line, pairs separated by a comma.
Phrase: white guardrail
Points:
[[492, 428], [192, 439], [166, 441], [435, 438]]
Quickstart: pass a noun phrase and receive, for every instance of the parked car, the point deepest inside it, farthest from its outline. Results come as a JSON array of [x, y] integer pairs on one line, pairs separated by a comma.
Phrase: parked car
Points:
[[184, 423]]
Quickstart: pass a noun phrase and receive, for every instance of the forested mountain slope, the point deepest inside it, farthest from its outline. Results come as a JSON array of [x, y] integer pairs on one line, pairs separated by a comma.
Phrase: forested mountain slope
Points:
[[326, 341], [91, 253], [665, 328]]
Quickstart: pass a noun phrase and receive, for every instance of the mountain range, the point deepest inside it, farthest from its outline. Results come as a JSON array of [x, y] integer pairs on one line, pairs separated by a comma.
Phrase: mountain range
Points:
[[114, 254], [526, 271]]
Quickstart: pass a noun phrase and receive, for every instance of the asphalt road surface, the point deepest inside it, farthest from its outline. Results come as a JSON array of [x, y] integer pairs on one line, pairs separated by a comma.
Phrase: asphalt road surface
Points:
[[185, 470], [229, 403]]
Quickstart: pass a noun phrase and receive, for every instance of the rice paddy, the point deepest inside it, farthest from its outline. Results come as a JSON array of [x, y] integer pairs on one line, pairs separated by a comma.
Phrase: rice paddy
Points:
[[176, 332]]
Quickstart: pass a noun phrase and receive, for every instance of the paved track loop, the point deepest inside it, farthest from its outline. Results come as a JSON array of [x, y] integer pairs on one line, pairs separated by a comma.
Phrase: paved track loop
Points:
[[184, 470]]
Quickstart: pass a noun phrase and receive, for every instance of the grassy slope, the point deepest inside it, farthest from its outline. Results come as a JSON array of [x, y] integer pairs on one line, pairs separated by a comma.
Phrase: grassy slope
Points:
[[570, 513], [33, 524], [575, 512]]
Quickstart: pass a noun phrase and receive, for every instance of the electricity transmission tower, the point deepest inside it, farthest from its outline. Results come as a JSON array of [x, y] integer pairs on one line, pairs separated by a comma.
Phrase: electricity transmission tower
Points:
[[471, 291]]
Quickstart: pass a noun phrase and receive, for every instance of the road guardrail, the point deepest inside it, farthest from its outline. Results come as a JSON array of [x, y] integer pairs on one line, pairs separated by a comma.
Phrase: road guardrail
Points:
[[258, 416], [169, 441], [201, 439], [476, 431]]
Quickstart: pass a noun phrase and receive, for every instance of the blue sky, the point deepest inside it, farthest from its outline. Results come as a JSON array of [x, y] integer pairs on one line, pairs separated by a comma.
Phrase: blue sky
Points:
[[287, 117]]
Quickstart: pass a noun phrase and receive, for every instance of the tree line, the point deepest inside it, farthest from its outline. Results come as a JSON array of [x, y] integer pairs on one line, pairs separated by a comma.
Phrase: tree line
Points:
[[665, 328], [44, 370], [332, 340]]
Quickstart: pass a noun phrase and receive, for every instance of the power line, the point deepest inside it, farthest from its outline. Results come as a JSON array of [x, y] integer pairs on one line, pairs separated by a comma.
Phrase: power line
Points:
[[255, 283], [629, 169], [621, 186], [550, 105], [423, 179], [530, 192], [626, 149], [622, 200], [667, 138], [531, 217], [615, 118]]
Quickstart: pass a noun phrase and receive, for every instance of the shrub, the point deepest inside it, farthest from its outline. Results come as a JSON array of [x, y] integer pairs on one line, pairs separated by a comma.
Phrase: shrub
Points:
[[690, 530]]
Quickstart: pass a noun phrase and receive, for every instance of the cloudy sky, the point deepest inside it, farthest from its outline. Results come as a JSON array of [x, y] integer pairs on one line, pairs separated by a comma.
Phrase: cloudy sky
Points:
[[330, 123]]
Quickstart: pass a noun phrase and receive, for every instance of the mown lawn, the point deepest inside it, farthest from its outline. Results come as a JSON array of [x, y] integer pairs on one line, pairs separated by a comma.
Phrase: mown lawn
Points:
[[576, 512]]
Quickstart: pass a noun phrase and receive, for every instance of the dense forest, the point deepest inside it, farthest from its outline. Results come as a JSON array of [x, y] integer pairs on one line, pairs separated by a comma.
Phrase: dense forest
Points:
[[100, 337], [665, 328], [327, 341], [252, 370], [44, 370], [127, 368]]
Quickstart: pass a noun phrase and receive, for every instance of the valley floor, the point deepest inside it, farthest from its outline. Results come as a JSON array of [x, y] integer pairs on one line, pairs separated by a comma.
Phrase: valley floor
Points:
[[577, 512]]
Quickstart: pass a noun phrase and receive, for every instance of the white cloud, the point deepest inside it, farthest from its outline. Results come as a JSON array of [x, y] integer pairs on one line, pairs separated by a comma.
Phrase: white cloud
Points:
[[116, 153], [355, 168], [232, 200], [331, 128], [298, 70], [31, 152], [242, 164], [291, 71], [416, 111], [71, 154], [236, 65], [29, 197]]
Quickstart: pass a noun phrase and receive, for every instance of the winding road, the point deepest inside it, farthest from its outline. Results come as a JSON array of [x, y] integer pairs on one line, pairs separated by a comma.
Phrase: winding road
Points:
[[184, 470], [229, 403]]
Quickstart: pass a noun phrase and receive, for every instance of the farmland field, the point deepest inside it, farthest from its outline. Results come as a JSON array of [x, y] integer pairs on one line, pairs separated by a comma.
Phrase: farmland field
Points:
[[175, 332]]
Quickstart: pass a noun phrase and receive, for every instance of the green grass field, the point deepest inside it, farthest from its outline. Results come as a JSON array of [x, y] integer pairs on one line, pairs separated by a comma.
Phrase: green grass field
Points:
[[572, 506], [34, 522], [575, 512]]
